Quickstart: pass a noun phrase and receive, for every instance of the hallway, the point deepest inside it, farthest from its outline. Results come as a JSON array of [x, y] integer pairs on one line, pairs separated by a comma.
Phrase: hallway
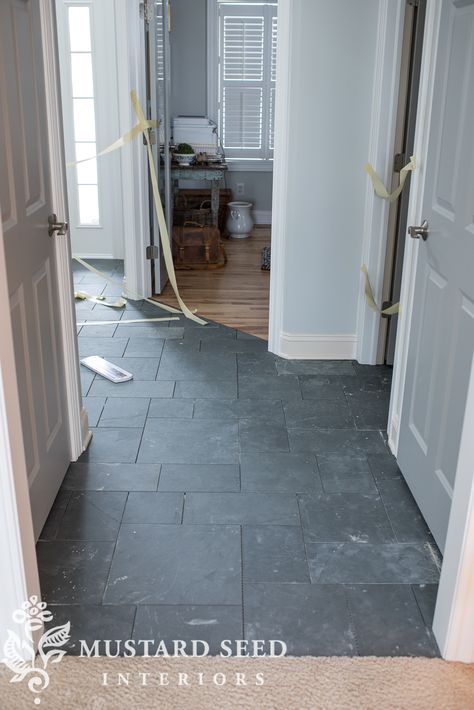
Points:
[[230, 494]]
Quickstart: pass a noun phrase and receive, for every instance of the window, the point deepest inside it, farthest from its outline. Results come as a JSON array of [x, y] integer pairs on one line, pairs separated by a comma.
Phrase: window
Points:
[[246, 77]]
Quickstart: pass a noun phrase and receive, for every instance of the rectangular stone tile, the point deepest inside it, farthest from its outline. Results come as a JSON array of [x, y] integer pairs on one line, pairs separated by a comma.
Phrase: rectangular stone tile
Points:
[[388, 622], [380, 371], [94, 407], [405, 516], [87, 378], [95, 515], [73, 572], [205, 441], [170, 409], [256, 363], [337, 441], [279, 472], [104, 347], [344, 517], [322, 387], [369, 409], [345, 474], [144, 347], [355, 563], [315, 367], [176, 345], [113, 446], [197, 366], [193, 331], [358, 385], [111, 477], [220, 389], [199, 477], [91, 622], [426, 595], [259, 436], [51, 526], [233, 409], [241, 509], [124, 412], [97, 331], [322, 414], [154, 508], [384, 466], [132, 388], [91, 313], [148, 330], [312, 620], [269, 387], [140, 367], [210, 623], [233, 345], [176, 564], [273, 553]]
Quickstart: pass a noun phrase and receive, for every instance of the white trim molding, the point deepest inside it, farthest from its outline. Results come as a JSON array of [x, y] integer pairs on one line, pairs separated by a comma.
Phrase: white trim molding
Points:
[[317, 347], [382, 132]]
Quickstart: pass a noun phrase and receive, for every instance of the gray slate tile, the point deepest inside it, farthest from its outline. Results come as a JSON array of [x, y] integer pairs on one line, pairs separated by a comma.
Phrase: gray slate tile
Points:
[[336, 441], [388, 622], [104, 347], [405, 516], [356, 563], [268, 410], [176, 564], [111, 477], [162, 408], [73, 572], [199, 477], [100, 331], [253, 364], [345, 474], [269, 387], [259, 436], [426, 595], [124, 412], [231, 345], [94, 515], [197, 366], [369, 409], [140, 367], [148, 330], [273, 553], [344, 517], [322, 387], [144, 347], [154, 508], [87, 377], [91, 622], [315, 367], [279, 472], [384, 466], [132, 388], [51, 526], [241, 509], [113, 446], [311, 619], [94, 407], [322, 414], [210, 623], [220, 389], [206, 441]]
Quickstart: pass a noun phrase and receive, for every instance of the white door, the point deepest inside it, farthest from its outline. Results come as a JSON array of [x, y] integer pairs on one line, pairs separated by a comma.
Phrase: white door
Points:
[[25, 200], [89, 91], [442, 333]]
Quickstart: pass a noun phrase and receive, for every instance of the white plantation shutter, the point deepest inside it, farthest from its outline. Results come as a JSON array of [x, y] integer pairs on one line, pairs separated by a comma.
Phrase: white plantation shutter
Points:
[[247, 73]]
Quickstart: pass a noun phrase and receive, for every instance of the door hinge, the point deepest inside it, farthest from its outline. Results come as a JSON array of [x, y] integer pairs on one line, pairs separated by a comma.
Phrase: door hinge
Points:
[[399, 161], [413, 3], [152, 252]]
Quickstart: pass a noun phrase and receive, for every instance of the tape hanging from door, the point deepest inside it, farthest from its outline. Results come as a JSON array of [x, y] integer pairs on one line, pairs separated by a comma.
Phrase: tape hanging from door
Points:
[[369, 297], [380, 188], [142, 127]]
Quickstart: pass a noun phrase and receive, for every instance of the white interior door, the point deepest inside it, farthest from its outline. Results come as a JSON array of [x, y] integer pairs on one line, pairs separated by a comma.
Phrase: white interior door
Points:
[[442, 333], [89, 88], [25, 200]]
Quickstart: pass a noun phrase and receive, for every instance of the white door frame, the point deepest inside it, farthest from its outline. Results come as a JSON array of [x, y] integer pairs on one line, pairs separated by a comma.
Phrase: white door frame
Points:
[[455, 606]]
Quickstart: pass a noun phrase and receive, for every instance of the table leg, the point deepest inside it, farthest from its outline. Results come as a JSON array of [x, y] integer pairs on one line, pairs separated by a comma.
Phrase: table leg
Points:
[[215, 202]]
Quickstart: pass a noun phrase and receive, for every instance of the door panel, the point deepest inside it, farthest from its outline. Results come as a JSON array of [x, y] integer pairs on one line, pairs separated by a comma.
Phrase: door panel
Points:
[[25, 199], [442, 337]]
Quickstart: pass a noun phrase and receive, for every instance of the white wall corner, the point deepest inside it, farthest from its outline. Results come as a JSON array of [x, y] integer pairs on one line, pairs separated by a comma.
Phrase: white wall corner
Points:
[[317, 347], [262, 216], [382, 136]]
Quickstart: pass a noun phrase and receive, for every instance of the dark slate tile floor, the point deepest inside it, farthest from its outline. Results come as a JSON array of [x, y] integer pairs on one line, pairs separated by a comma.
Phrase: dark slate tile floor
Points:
[[230, 494]]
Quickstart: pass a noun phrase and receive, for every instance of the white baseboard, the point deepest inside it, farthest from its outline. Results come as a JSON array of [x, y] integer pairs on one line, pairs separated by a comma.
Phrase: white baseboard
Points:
[[262, 216], [94, 256], [317, 347]]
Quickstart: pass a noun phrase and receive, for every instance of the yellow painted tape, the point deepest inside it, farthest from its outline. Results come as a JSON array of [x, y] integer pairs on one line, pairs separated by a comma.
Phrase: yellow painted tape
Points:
[[369, 297], [380, 188], [120, 142], [84, 296]]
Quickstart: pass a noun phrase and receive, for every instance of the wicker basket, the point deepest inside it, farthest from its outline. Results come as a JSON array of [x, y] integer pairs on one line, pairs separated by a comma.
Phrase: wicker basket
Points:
[[197, 246], [200, 215], [193, 199]]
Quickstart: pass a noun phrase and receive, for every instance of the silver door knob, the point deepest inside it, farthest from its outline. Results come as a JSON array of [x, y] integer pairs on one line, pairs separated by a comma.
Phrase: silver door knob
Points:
[[421, 231], [55, 226]]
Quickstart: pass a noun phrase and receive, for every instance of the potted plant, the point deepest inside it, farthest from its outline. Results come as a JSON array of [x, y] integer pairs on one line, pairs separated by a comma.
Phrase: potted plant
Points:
[[184, 154]]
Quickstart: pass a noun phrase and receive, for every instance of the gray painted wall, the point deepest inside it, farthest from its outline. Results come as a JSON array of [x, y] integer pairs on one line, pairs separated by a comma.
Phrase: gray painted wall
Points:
[[188, 42]]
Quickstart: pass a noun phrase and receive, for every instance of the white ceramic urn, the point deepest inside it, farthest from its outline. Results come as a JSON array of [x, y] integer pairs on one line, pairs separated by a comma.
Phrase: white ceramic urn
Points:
[[239, 220]]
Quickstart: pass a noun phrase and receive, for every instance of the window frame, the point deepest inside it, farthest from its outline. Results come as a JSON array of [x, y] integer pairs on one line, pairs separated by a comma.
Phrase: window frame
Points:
[[234, 163]]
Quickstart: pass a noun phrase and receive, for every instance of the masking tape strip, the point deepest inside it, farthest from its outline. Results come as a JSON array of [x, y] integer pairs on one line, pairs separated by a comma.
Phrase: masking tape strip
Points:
[[164, 236], [120, 142], [124, 322], [369, 296], [84, 296], [380, 188], [91, 268]]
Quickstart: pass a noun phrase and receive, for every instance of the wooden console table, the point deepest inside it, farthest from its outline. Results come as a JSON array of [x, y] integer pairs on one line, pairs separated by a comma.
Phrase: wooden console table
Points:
[[211, 173]]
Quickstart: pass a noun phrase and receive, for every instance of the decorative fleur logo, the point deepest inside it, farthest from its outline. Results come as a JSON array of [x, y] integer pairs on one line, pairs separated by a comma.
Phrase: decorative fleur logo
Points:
[[20, 655]]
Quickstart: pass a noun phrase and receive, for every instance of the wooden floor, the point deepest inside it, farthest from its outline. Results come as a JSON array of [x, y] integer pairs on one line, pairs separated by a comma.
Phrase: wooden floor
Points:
[[236, 295]]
